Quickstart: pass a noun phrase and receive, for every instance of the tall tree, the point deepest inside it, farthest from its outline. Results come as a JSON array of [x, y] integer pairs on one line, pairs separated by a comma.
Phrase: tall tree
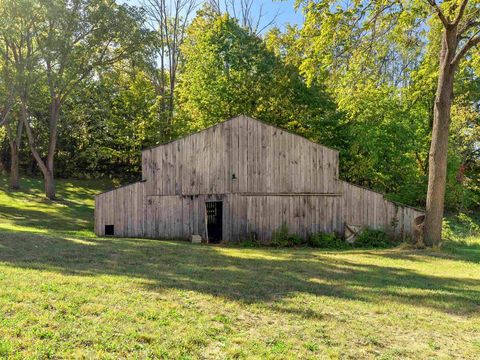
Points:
[[74, 39], [356, 29], [18, 57], [461, 32], [169, 19], [227, 71]]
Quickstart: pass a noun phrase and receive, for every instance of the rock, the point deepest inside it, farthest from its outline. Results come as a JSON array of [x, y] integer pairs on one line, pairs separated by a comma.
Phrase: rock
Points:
[[196, 239]]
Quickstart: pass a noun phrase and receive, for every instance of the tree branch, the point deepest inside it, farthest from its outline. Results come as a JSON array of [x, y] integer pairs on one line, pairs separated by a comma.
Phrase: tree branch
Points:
[[33, 148], [5, 115], [474, 40], [471, 22], [440, 14], [460, 13]]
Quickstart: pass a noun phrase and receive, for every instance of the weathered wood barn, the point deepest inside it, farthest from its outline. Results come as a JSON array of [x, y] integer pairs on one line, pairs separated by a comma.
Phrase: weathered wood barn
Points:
[[243, 178]]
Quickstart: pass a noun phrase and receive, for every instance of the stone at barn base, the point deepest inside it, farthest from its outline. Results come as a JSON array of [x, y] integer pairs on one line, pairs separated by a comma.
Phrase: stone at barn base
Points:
[[196, 239]]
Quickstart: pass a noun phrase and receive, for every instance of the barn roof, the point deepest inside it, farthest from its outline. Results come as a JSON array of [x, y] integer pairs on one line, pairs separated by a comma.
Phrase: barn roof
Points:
[[240, 118]]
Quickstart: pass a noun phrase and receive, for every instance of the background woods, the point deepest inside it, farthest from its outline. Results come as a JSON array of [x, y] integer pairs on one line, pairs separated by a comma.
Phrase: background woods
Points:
[[85, 85]]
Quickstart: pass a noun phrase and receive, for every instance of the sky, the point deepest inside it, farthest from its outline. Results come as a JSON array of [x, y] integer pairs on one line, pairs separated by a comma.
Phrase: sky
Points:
[[282, 10]]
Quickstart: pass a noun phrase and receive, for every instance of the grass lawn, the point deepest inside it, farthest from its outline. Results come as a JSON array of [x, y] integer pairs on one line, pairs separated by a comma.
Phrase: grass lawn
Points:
[[66, 294]]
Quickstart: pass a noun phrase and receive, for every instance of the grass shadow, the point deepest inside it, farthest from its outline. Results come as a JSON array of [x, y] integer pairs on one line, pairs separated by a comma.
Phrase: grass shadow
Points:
[[265, 276], [250, 276]]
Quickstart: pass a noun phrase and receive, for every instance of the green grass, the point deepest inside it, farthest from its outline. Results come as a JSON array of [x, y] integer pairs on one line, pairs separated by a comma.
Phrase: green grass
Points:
[[66, 294]]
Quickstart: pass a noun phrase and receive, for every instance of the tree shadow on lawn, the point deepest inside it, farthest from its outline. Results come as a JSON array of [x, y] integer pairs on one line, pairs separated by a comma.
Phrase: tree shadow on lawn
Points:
[[249, 276], [81, 189], [66, 215]]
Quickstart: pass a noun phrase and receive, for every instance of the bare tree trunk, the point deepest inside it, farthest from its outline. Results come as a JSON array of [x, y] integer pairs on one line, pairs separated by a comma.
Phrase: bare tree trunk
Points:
[[45, 167], [15, 141], [439, 145], [14, 182], [50, 189]]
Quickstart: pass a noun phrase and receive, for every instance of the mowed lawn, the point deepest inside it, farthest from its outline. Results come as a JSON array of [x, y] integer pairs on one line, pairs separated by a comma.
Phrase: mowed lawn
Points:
[[65, 293]]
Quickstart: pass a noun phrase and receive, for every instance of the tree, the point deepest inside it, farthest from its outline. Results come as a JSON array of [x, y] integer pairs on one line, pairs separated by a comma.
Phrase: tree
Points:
[[227, 70], [107, 122], [169, 19], [250, 17], [224, 71], [18, 56], [461, 32], [74, 38], [14, 139], [357, 33]]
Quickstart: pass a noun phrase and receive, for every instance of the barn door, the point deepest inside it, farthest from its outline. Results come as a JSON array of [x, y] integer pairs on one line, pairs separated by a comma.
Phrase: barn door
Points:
[[214, 211]]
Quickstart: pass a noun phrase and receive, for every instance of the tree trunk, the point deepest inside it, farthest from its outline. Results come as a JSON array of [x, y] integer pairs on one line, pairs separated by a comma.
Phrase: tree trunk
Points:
[[46, 166], [15, 141], [50, 190], [14, 165], [437, 169]]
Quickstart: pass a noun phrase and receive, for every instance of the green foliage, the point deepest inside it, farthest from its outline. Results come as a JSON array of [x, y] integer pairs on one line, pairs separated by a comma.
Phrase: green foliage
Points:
[[461, 226], [111, 120], [460, 234], [224, 71], [372, 238], [251, 241], [380, 64], [227, 71], [283, 238], [327, 241]]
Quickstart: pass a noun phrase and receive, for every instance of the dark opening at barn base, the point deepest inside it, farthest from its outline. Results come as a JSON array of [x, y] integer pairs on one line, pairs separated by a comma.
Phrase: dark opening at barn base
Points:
[[109, 230], [214, 211]]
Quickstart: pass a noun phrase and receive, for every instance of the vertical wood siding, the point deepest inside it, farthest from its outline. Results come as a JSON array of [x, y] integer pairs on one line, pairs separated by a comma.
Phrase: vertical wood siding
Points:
[[124, 208], [241, 155], [303, 215], [365, 207], [265, 177]]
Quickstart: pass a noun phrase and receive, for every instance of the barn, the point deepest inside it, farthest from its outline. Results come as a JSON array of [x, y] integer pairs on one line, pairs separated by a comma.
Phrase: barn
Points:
[[239, 179]]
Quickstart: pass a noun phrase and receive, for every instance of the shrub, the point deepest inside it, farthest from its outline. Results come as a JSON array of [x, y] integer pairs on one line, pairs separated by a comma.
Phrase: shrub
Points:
[[283, 238], [327, 241], [251, 241], [460, 226], [373, 238]]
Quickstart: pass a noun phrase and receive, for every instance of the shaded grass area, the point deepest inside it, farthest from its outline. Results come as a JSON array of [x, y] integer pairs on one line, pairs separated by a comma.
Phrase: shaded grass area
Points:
[[67, 294], [28, 210]]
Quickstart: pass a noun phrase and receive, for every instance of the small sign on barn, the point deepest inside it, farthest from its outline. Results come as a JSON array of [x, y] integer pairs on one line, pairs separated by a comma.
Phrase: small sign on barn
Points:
[[241, 178]]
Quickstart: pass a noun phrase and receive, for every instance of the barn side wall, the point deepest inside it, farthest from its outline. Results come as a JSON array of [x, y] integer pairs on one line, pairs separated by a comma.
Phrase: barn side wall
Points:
[[124, 208], [135, 214], [241, 155], [303, 215], [369, 208], [178, 217]]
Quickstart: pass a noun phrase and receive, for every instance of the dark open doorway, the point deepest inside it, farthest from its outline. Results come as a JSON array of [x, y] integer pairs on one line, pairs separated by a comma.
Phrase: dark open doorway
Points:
[[214, 211], [109, 230]]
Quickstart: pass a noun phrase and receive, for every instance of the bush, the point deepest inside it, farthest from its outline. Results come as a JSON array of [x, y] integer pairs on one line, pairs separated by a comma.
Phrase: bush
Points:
[[251, 241], [327, 241], [460, 226], [283, 238], [374, 239]]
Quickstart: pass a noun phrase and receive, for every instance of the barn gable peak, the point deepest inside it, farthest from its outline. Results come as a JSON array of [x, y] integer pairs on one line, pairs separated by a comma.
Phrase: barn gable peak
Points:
[[241, 117]]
